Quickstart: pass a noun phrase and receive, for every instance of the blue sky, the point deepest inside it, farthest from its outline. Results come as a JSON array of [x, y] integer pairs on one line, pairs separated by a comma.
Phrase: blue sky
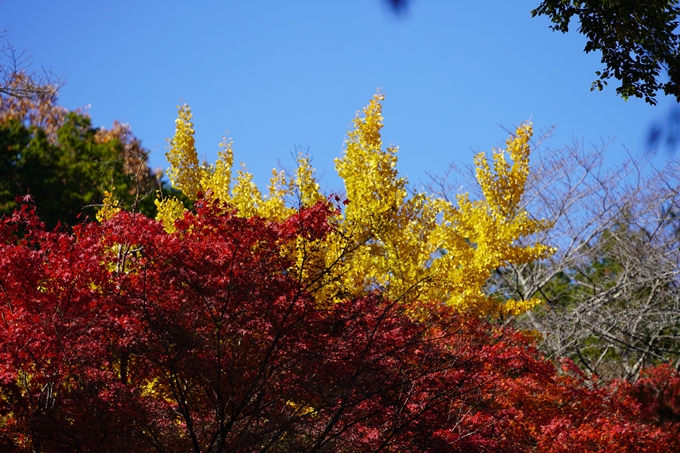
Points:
[[289, 75]]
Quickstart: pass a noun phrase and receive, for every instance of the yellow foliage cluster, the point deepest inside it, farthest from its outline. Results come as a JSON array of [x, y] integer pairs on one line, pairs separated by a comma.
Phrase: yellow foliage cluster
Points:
[[110, 207], [416, 247]]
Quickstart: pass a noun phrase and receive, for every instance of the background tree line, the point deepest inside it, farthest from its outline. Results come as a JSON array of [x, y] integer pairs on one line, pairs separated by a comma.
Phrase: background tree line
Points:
[[65, 163]]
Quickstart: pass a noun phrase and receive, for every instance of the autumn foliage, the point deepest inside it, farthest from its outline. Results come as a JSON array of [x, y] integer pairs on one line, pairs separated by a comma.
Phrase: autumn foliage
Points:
[[412, 247], [123, 337], [294, 329]]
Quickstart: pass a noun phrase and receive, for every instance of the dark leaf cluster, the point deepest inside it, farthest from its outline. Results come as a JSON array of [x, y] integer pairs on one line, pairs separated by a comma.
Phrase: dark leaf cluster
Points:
[[638, 41]]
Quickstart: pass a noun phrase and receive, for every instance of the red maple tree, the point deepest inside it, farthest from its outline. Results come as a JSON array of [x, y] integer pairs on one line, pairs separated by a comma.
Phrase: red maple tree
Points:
[[121, 337]]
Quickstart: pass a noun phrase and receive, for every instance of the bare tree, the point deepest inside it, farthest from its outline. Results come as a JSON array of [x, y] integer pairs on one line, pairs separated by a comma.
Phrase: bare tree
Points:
[[15, 78], [611, 291]]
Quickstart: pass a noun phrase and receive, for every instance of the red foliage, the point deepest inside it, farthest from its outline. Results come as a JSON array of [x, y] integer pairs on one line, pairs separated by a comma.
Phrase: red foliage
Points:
[[643, 417], [122, 337]]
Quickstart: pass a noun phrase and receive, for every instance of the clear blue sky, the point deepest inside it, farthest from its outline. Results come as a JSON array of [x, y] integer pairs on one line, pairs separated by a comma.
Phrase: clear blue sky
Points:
[[282, 75]]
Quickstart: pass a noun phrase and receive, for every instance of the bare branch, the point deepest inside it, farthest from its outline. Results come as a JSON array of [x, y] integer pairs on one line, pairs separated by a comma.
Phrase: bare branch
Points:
[[15, 78], [612, 290]]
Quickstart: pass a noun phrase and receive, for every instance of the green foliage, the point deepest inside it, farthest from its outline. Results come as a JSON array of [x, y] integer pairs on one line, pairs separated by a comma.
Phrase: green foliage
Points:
[[67, 171], [638, 41], [63, 177]]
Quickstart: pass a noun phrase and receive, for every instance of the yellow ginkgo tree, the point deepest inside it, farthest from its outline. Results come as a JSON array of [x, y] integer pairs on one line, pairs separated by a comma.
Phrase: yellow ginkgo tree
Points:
[[410, 247]]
